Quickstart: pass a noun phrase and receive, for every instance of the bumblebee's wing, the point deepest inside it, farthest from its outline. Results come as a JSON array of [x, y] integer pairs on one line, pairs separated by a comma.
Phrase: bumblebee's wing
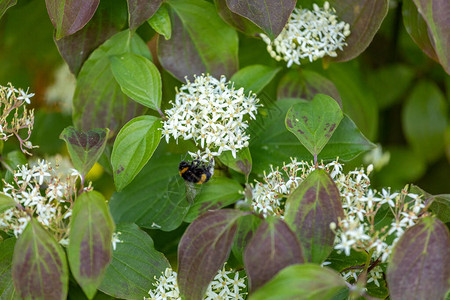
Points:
[[192, 191]]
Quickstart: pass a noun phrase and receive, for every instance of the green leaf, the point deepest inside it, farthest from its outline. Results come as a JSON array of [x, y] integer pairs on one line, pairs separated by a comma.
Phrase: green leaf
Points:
[[5, 4], [242, 163], [164, 207], [135, 265], [270, 16], [310, 210], [440, 204], [39, 266], [6, 202], [424, 119], [133, 148], [435, 13], [275, 244], [141, 10], [365, 18], [418, 268], [195, 46], [7, 290], [85, 148], [14, 159], [254, 78], [217, 193], [160, 22], [272, 144], [340, 261], [138, 78], [306, 281], [305, 84], [70, 16], [98, 101], [89, 250], [203, 249], [108, 20], [240, 23], [247, 226], [313, 123], [417, 28]]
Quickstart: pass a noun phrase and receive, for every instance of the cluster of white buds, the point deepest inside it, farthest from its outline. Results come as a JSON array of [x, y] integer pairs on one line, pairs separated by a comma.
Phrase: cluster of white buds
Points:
[[212, 113], [14, 117], [40, 192], [226, 285], [309, 35], [360, 204]]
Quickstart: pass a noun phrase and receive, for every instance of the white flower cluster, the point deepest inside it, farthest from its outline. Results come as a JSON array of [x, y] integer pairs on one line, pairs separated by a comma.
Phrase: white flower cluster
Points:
[[211, 112], [39, 192], [225, 286], [360, 203], [309, 34], [372, 276], [62, 90]]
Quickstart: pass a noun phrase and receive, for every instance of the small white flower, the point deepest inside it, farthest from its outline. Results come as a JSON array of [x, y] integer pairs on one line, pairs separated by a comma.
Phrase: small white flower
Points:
[[25, 96], [308, 35], [345, 244]]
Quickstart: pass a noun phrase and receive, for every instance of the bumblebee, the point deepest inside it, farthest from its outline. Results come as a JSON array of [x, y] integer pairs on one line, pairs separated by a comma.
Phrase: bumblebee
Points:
[[195, 171]]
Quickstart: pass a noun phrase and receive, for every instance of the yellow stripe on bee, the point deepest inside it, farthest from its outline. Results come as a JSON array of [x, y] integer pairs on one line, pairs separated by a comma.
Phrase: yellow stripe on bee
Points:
[[202, 179], [184, 170]]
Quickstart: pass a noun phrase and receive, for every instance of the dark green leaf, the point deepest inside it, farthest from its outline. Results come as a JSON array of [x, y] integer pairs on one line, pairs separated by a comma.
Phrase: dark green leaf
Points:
[[305, 84], [435, 14], [424, 119], [203, 249], [85, 148], [217, 193], [98, 100], [313, 123], [6, 202], [254, 78], [357, 100], [340, 261], [195, 46], [39, 267], [270, 16], [133, 148], [272, 144], [70, 16], [273, 247], [365, 18], [310, 210], [140, 11], [160, 22], [242, 163], [90, 248], [418, 268], [417, 28], [5, 4], [155, 198], [138, 78], [240, 23], [134, 266], [7, 290], [440, 204], [14, 159], [306, 281], [108, 20]]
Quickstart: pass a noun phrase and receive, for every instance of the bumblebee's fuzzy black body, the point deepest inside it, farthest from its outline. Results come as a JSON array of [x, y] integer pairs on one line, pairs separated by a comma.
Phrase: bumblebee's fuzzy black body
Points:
[[195, 171]]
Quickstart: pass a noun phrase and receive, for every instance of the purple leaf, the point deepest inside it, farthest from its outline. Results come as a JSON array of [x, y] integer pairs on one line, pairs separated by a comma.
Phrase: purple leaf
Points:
[[436, 15], [240, 23], [270, 16], [277, 246], [419, 265], [85, 148], [106, 22], [69, 16], [140, 11], [203, 250], [39, 268], [365, 18], [309, 211], [198, 44], [90, 248]]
